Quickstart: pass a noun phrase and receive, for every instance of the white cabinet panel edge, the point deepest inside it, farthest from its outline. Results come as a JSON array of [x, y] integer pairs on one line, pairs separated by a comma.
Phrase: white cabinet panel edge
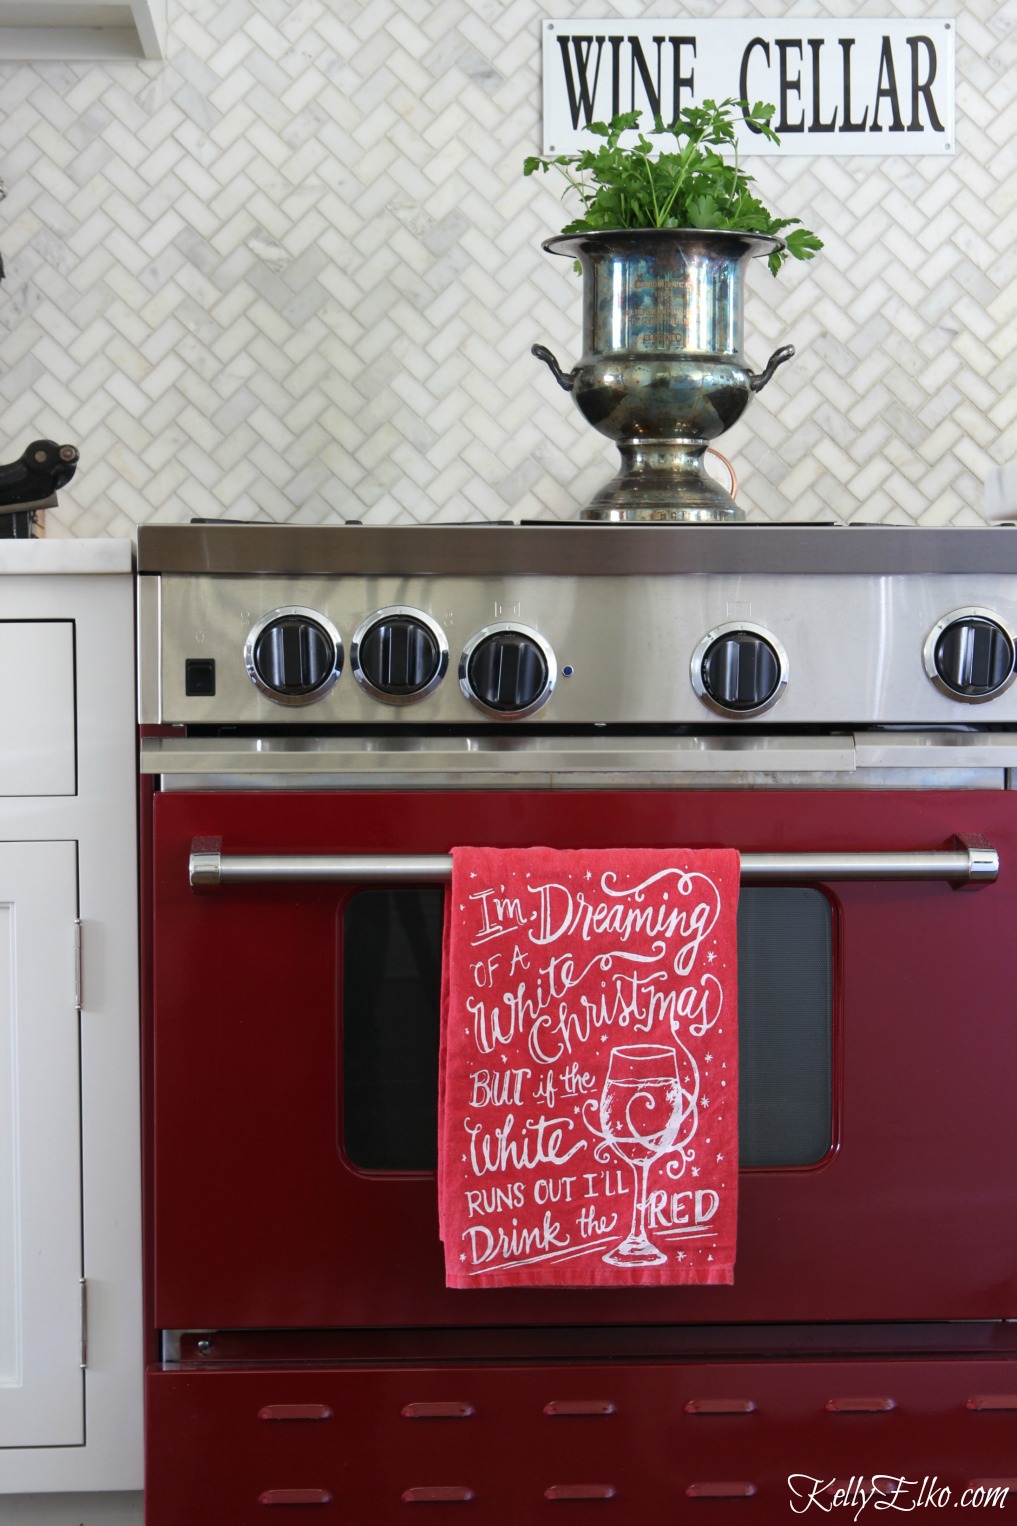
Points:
[[41, 1390], [101, 818], [82, 29]]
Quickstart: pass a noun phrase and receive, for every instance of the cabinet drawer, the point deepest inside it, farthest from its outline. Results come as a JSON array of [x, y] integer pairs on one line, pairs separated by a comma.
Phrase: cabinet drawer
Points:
[[503, 1444], [37, 749]]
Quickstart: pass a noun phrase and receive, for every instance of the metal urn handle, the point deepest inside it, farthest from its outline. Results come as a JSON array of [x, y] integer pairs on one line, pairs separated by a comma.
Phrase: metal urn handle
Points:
[[758, 380], [565, 380]]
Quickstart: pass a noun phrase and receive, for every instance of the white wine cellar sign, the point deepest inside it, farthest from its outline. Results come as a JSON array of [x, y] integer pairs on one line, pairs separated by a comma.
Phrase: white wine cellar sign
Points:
[[838, 86]]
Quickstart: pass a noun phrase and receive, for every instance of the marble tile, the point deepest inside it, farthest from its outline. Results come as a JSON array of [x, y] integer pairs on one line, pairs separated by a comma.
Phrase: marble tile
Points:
[[296, 271]]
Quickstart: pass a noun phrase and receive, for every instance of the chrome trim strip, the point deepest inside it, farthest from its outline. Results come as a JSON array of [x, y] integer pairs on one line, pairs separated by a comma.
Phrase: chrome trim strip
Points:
[[958, 866], [361, 781], [484, 755], [149, 640], [482, 758]]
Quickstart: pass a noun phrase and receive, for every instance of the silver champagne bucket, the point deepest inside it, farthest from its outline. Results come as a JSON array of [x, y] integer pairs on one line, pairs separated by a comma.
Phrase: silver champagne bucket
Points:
[[662, 371]]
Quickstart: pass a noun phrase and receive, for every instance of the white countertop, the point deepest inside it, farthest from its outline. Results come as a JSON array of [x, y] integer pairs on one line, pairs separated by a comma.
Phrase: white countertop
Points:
[[45, 558]]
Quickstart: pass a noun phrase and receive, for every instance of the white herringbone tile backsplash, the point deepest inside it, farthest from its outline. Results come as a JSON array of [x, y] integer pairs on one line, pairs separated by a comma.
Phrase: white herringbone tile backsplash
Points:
[[294, 273]]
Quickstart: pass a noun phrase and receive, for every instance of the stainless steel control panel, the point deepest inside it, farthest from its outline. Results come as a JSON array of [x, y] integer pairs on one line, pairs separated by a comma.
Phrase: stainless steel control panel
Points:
[[529, 649]]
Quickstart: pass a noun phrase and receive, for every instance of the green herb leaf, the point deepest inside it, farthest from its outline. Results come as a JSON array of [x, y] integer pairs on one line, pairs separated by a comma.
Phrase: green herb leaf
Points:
[[703, 212], [803, 244], [695, 183]]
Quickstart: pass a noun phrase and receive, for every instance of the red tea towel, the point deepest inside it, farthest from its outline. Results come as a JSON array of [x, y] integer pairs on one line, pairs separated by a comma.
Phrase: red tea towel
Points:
[[588, 1092]]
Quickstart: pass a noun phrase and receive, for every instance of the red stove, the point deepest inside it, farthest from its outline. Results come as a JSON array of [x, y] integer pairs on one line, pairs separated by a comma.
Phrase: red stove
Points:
[[325, 714]]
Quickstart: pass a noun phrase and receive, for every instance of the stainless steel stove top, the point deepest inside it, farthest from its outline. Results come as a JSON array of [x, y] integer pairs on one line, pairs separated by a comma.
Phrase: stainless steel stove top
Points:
[[582, 548]]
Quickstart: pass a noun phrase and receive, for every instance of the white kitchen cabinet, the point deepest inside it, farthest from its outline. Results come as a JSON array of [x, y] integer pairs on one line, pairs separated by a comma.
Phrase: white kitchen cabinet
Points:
[[70, 1201], [41, 1399], [82, 29]]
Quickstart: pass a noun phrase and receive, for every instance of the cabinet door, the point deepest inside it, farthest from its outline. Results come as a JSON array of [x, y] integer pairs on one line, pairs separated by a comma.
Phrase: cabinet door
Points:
[[41, 1382]]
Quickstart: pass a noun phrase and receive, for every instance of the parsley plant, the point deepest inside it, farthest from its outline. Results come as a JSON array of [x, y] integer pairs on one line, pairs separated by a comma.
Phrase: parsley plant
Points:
[[692, 186]]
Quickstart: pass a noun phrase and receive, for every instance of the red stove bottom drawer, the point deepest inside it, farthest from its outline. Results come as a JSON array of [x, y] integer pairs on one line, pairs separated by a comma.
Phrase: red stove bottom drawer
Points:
[[632, 1442]]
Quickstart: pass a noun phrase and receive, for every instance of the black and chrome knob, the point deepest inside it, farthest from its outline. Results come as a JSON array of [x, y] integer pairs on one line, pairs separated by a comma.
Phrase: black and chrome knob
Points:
[[507, 671], [739, 669], [294, 655], [970, 655], [399, 655]]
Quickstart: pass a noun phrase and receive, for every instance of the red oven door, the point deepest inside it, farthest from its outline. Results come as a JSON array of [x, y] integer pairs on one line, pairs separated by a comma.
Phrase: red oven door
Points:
[[295, 1043]]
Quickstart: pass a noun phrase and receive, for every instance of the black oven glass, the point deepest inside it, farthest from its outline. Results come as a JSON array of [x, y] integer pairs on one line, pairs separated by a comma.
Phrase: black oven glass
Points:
[[785, 1026], [391, 975]]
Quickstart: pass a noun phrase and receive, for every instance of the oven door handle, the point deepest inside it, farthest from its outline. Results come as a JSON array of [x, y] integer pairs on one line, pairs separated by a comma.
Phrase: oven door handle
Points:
[[972, 861]]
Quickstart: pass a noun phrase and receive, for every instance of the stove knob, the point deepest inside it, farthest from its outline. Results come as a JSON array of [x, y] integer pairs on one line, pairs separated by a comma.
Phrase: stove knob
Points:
[[970, 655], [399, 655], [507, 671], [294, 655], [739, 669]]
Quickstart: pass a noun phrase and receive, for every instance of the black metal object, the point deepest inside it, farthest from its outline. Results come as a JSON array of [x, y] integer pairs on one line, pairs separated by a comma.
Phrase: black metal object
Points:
[[31, 483]]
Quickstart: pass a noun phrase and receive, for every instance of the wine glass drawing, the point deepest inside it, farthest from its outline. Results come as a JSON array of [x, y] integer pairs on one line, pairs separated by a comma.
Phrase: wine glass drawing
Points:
[[646, 1104]]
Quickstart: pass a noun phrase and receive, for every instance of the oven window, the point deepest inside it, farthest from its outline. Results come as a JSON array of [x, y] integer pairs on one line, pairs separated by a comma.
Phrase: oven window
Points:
[[785, 1023], [391, 994], [391, 988]]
